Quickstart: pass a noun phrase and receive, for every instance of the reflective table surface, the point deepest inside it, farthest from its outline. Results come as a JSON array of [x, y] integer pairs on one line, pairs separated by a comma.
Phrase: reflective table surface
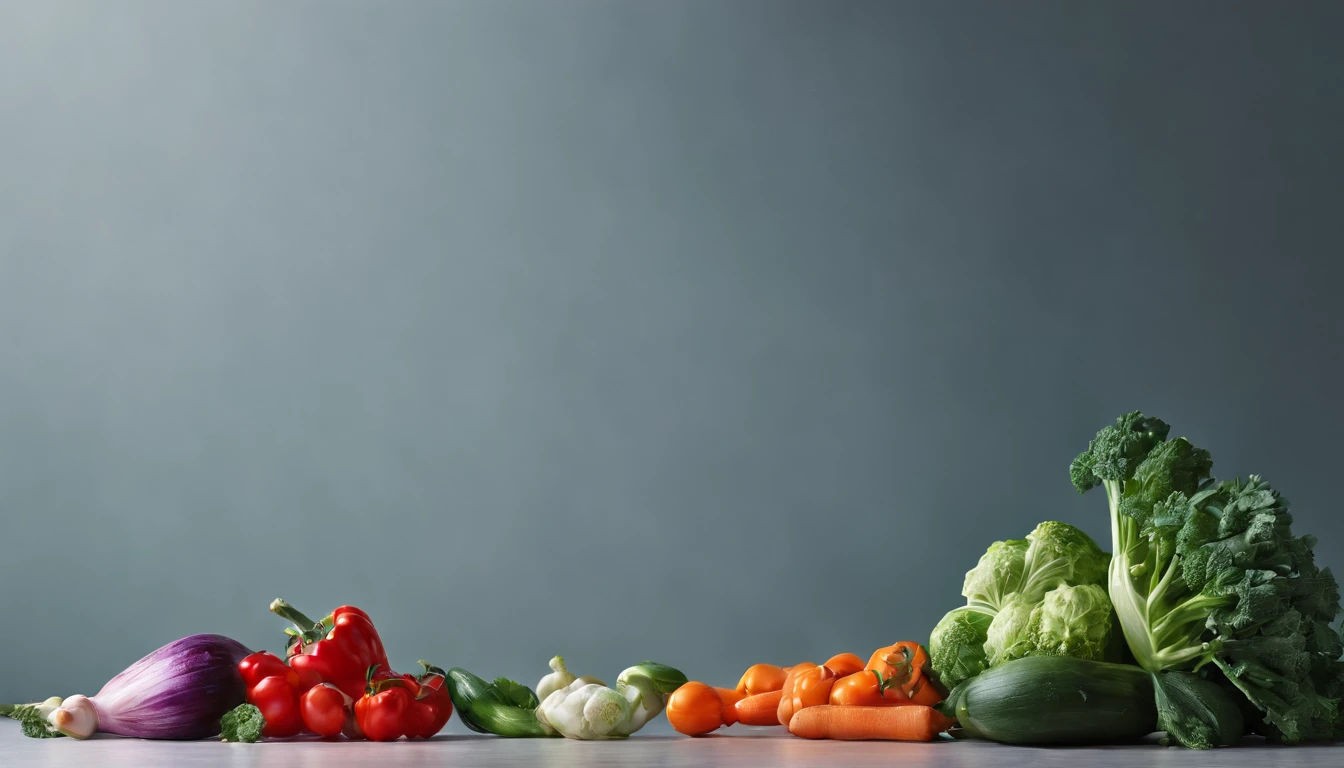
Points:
[[744, 747]]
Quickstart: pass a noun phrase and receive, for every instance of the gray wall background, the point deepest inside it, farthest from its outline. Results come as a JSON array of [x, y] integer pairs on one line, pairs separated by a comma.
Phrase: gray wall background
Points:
[[708, 332]]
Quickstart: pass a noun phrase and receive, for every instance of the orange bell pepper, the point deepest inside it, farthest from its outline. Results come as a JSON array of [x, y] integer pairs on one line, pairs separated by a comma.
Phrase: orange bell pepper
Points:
[[761, 678], [906, 665], [844, 664], [811, 688], [786, 691], [868, 688]]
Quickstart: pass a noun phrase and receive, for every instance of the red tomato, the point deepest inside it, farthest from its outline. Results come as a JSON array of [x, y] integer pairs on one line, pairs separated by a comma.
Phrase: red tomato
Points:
[[279, 706], [260, 666], [431, 709], [323, 710], [382, 716]]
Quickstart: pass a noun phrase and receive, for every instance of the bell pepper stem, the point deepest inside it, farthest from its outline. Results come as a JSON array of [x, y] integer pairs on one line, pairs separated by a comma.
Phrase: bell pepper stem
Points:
[[286, 611], [883, 683]]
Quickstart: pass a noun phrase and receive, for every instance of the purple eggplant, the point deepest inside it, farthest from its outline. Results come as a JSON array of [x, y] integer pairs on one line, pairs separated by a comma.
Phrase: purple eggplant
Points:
[[179, 691]]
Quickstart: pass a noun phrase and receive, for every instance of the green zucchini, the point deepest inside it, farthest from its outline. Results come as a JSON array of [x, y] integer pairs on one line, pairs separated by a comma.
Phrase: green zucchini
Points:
[[1055, 700]]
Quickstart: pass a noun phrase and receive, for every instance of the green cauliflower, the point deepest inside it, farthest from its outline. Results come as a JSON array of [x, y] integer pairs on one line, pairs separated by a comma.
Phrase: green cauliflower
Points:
[[1023, 599], [998, 575], [1008, 637], [1071, 621], [957, 645]]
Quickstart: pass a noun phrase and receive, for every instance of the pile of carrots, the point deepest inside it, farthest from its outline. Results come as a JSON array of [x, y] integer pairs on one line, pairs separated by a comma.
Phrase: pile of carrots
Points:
[[891, 697]]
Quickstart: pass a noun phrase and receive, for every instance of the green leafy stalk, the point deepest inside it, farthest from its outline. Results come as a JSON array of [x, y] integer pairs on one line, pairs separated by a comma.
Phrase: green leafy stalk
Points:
[[35, 726], [33, 717], [1195, 711], [1206, 573]]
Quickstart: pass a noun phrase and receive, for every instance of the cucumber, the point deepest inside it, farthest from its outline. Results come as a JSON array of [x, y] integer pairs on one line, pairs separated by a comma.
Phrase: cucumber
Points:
[[465, 689], [1055, 700], [485, 708]]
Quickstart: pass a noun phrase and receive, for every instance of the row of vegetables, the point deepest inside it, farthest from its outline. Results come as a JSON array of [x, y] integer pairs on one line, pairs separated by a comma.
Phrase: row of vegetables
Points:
[[1209, 621], [336, 683]]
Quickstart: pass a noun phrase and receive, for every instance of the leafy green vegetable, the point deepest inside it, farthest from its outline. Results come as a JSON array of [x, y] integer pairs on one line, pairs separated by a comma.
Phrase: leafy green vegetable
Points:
[[1022, 600], [517, 694], [1068, 621], [504, 707], [1196, 712], [997, 576], [1052, 555], [35, 726], [1057, 555], [242, 723], [1210, 573], [1008, 637], [33, 718], [1072, 621], [957, 644]]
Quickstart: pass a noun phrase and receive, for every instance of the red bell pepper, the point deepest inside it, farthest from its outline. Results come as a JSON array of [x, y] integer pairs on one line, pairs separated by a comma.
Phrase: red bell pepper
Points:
[[340, 648]]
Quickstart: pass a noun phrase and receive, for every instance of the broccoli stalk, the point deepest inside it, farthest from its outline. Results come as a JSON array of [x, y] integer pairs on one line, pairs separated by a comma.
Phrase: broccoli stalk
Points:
[[1210, 573], [1139, 471]]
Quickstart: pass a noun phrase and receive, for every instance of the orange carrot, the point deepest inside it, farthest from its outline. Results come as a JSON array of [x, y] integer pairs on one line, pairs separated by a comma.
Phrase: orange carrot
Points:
[[761, 678], [730, 697], [761, 709], [912, 723]]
